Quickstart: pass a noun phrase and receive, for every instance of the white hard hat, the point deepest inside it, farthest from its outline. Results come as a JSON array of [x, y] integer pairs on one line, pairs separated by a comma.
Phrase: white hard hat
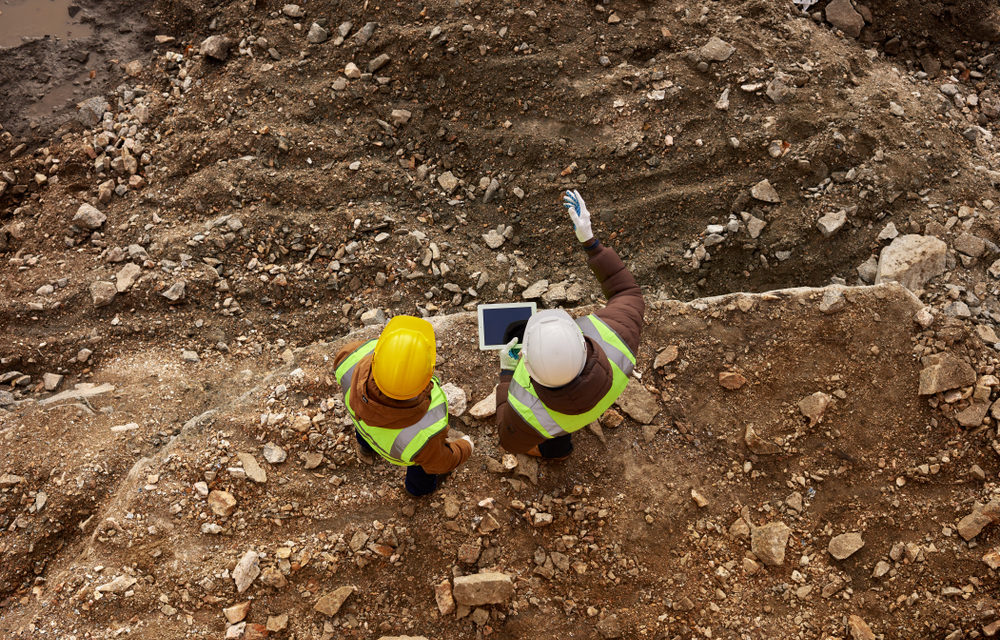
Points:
[[554, 348]]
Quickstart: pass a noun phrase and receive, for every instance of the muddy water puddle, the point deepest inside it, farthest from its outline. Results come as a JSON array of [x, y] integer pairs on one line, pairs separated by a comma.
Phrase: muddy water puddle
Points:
[[20, 19]]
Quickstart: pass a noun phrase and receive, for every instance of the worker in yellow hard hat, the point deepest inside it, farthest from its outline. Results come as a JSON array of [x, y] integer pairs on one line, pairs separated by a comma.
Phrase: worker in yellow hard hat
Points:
[[398, 407]]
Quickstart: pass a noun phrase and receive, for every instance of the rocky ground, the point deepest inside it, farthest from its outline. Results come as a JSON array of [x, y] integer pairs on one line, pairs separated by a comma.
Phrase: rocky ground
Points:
[[249, 183]]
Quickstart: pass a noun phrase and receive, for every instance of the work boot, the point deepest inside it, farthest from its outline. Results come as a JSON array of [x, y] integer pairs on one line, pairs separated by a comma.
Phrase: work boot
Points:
[[534, 452], [365, 457]]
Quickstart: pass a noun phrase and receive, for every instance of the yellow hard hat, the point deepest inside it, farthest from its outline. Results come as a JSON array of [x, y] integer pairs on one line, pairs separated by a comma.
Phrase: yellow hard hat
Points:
[[404, 357]]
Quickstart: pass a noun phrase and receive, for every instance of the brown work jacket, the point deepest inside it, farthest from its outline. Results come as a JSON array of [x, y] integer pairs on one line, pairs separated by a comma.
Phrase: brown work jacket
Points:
[[379, 410], [623, 313]]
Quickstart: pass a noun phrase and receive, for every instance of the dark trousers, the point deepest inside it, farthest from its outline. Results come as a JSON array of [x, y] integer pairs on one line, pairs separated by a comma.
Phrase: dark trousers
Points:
[[418, 482], [559, 447]]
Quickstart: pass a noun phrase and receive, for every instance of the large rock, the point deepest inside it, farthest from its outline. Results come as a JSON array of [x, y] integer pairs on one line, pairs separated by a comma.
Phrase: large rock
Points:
[[102, 293], [841, 14], [945, 371], [814, 406], [483, 588], [216, 47], [911, 260], [638, 402], [768, 543], [845, 545], [331, 603], [89, 217]]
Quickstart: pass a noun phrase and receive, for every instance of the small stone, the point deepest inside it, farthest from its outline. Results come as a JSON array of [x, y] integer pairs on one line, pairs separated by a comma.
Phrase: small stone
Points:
[[102, 293], [447, 181], [293, 11], [443, 598], [536, 290], [794, 502], [51, 381], [970, 245], [277, 623], [190, 356], [992, 558], [896, 110], [483, 588], [649, 432], [127, 276], [378, 62], [493, 239], [845, 545], [768, 543], [754, 226], [246, 571], [252, 468], [399, 117], [831, 223], [764, 192], [237, 612], [91, 111], [352, 71], [89, 217], [972, 525], [215, 47], [665, 357], [317, 34], [609, 628], [222, 503], [330, 604], [274, 454], [457, 400], [814, 406], [716, 50], [833, 301], [638, 402], [841, 14], [175, 292], [699, 499], [731, 380], [485, 407], [372, 317], [859, 628], [778, 90], [312, 460], [881, 568], [888, 232]]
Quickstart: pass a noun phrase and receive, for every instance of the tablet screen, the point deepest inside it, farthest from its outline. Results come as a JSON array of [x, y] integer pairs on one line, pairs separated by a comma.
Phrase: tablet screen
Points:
[[494, 318]]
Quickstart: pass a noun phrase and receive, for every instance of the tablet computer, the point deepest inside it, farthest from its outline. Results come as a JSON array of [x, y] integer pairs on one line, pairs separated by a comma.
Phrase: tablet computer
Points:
[[494, 319]]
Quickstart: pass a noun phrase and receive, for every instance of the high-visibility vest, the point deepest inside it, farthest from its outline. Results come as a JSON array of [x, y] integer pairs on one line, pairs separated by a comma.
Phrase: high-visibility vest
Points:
[[522, 398], [398, 446]]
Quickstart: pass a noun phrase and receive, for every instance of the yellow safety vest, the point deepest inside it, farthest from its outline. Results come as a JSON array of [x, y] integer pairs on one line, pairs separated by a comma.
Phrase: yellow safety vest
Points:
[[398, 446], [521, 395]]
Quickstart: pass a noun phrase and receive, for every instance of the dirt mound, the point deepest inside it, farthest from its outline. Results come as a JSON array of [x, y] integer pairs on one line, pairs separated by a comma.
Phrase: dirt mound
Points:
[[623, 543], [235, 208]]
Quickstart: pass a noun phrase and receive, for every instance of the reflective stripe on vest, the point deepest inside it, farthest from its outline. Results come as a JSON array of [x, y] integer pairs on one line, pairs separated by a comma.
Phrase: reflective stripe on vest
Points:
[[551, 424], [398, 446]]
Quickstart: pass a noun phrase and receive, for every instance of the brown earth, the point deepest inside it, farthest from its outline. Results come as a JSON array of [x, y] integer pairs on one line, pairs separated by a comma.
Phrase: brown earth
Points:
[[517, 93]]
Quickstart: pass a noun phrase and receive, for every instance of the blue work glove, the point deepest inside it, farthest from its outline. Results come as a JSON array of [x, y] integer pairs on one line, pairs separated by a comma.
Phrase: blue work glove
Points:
[[578, 213], [509, 355]]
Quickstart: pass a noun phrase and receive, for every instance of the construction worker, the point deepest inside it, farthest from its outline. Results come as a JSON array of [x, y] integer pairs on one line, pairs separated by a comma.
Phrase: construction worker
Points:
[[565, 373], [398, 407]]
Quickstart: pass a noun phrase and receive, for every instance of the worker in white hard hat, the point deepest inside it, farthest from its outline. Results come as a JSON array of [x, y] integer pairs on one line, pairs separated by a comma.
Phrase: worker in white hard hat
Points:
[[559, 374]]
